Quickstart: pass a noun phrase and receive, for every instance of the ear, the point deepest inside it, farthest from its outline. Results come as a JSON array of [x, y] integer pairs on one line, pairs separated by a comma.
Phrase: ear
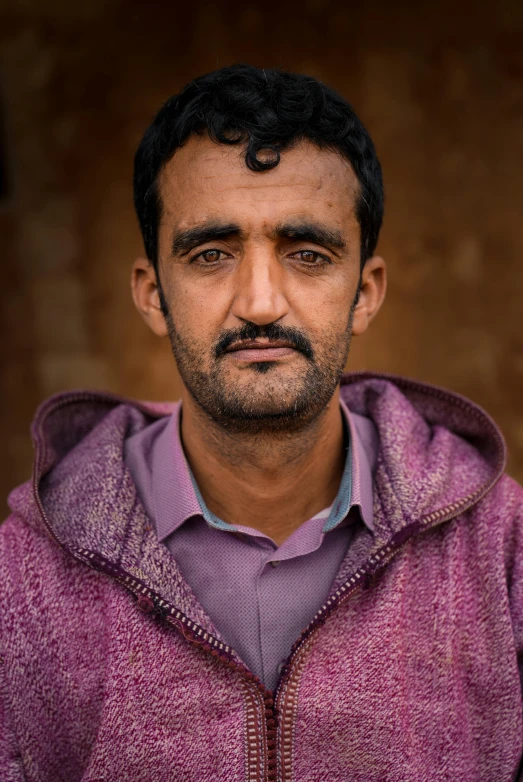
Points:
[[372, 294], [144, 286]]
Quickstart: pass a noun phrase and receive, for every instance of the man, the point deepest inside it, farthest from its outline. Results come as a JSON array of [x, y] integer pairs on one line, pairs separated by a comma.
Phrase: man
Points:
[[293, 573]]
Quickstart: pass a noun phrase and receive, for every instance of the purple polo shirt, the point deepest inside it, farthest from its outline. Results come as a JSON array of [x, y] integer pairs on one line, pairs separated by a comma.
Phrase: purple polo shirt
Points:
[[258, 595]]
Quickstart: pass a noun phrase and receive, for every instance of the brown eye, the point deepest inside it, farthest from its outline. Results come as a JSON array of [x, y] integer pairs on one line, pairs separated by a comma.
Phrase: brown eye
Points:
[[313, 258], [211, 256]]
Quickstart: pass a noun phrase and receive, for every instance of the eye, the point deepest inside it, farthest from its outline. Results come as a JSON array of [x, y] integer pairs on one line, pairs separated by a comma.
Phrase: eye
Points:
[[209, 256], [313, 258]]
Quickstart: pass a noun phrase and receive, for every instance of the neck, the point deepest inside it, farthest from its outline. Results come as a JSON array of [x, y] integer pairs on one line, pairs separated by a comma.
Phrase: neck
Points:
[[271, 482]]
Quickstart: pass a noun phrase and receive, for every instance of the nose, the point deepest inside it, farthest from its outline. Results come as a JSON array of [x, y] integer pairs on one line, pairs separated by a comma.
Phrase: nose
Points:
[[259, 296]]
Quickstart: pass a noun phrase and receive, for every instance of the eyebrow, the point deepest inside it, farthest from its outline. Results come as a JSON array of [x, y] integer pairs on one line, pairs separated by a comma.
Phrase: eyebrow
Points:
[[308, 231], [184, 241], [301, 231]]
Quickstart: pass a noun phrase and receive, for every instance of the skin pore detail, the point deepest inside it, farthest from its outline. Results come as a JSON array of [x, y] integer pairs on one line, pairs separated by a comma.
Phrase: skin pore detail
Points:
[[262, 291]]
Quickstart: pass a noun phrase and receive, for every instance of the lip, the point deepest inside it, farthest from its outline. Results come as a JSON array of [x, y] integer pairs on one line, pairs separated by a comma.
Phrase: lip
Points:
[[260, 351]]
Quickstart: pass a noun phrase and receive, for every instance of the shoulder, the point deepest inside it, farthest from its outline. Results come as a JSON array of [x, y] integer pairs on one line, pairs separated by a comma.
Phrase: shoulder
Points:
[[503, 504], [24, 542], [41, 585], [506, 492], [496, 522]]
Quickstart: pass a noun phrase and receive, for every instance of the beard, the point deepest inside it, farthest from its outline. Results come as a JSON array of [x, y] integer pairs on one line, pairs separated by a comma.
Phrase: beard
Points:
[[267, 396]]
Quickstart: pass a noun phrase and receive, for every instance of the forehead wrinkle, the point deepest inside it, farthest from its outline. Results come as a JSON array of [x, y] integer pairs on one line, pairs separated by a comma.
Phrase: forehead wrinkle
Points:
[[277, 185]]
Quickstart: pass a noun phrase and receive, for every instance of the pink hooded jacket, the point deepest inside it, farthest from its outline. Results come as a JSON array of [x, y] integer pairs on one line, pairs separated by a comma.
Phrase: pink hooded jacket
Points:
[[111, 670]]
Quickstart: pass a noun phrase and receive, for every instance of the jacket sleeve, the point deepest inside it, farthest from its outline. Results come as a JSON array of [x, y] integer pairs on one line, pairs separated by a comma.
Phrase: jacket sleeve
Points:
[[10, 760], [514, 570], [515, 582]]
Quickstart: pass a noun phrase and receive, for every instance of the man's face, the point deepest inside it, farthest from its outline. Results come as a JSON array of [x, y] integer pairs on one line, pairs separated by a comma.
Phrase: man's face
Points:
[[259, 272]]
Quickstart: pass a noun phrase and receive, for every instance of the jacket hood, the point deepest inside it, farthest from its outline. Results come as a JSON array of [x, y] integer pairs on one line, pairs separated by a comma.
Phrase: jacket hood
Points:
[[439, 454]]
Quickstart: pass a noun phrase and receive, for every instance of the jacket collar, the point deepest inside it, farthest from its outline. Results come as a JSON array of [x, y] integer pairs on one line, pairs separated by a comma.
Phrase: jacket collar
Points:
[[438, 455]]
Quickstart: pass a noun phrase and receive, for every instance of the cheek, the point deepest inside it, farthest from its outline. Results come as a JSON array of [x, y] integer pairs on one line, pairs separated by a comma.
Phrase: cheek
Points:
[[196, 314], [327, 310]]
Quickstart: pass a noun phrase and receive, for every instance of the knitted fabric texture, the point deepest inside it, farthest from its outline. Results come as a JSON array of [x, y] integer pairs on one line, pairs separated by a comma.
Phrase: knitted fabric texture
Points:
[[408, 673]]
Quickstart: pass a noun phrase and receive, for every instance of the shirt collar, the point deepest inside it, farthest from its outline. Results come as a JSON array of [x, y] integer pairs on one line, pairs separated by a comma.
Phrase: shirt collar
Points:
[[364, 440], [177, 497]]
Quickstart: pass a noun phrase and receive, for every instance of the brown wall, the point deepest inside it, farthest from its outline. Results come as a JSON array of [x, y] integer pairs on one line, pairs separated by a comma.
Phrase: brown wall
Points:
[[440, 86]]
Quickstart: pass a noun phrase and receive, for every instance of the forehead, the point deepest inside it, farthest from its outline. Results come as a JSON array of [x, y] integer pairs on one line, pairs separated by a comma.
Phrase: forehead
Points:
[[205, 179]]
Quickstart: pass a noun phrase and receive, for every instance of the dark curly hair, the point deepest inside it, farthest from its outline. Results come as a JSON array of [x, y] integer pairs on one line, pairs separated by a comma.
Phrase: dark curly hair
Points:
[[265, 110]]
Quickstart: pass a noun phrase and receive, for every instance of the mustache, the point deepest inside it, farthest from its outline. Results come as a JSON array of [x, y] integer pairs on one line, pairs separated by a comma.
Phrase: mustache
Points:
[[272, 331]]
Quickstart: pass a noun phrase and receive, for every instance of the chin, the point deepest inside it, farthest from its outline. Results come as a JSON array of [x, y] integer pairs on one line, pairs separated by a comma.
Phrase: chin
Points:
[[262, 367]]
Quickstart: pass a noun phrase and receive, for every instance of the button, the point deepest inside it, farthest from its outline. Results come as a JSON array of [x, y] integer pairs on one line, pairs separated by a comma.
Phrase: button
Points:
[[275, 562]]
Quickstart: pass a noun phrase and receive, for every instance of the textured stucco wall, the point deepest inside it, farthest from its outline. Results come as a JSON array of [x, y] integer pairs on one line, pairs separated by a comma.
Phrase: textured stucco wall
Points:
[[440, 86]]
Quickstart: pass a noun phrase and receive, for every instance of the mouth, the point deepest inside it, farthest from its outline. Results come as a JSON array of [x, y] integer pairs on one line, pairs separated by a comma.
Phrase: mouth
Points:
[[260, 350]]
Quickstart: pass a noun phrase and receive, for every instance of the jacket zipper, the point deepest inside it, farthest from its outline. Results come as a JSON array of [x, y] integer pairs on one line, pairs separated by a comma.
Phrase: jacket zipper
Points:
[[264, 753], [261, 714], [287, 689], [261, 733]]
